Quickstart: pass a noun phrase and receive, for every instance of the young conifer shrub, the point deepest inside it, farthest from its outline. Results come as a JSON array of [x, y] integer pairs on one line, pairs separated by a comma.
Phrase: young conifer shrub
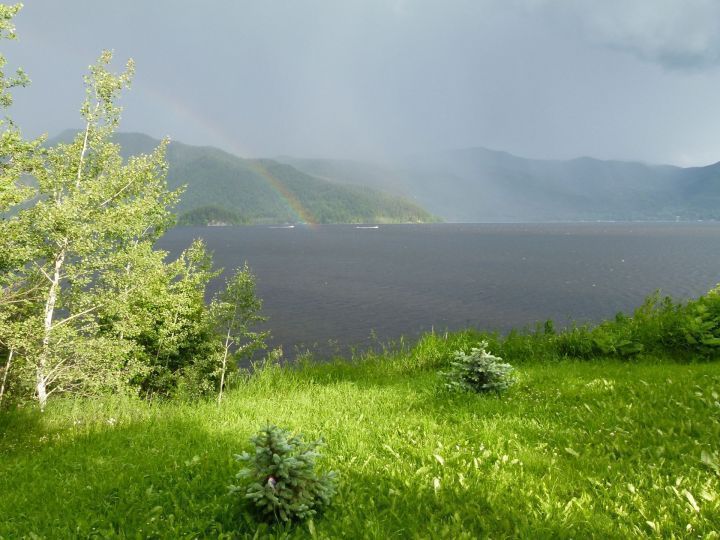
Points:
[[479, 371], [280, 479]]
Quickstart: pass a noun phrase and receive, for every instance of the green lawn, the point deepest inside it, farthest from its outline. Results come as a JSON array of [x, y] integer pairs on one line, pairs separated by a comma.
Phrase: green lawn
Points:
[[591, 449]]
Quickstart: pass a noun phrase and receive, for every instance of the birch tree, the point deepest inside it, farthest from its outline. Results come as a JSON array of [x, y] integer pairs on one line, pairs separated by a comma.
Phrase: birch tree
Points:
[[234, 311], [18, 158], [92, 216], [86, 302]]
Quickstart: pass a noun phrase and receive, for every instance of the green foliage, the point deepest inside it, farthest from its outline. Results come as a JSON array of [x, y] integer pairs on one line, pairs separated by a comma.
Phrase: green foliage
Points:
[[7, 31], [18, 158], [576, 342], [283, 483], [478, 371], [701, 324], [211, 215], [170, 330], [660, 327], [690, 329], [88, 306], [91, 213], [234, 311]]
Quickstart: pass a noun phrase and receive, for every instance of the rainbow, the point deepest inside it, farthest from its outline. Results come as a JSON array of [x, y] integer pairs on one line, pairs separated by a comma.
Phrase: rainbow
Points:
[[179, 108], [156, 97], [301, 212]]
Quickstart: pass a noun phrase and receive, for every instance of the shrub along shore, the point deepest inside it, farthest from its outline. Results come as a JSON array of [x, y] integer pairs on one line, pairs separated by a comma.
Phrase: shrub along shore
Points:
[[588, 442]]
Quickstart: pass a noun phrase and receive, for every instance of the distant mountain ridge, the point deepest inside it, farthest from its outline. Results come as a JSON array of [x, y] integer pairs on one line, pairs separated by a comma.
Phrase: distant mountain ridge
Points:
[[477, 184], [223, 188], [465, 185]]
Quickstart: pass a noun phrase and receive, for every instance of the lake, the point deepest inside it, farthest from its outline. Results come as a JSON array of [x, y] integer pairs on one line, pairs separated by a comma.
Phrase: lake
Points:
[[331, 287]]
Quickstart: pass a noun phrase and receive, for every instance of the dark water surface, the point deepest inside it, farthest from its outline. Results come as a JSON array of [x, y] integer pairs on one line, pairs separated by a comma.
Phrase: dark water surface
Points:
[[339, 284]]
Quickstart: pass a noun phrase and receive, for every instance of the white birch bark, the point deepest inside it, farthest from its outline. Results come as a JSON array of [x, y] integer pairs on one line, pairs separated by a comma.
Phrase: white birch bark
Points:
[[5, 374], [42, 368]]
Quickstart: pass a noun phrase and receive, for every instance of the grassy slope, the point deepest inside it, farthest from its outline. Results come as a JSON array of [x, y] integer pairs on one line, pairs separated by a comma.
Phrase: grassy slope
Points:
[[600, 448]]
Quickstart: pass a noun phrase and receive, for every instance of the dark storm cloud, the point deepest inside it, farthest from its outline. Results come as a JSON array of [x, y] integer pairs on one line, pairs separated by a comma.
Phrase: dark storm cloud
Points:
[[378, 78], [678, 34]]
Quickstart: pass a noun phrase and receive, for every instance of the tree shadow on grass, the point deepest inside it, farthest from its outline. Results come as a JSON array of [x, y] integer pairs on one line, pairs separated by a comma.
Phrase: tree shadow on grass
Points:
[[168, 477], [165, 478], [19, 428]]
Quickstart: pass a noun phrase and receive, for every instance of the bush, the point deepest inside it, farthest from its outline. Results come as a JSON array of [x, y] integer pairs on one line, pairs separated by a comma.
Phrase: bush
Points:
[[701, 325], [283, 484], [658, 326], [611, 338], [478, 371]]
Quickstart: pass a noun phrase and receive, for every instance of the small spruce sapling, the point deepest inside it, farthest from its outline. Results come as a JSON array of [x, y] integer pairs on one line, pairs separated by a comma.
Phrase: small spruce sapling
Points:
[[478, 371], [283, 483]]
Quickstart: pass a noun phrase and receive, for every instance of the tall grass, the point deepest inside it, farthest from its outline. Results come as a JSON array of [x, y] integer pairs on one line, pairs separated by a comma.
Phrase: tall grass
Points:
[[621, 446], [575, 449]]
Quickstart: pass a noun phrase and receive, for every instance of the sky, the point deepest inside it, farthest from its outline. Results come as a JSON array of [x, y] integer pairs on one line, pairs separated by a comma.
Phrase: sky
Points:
[[376, 79]]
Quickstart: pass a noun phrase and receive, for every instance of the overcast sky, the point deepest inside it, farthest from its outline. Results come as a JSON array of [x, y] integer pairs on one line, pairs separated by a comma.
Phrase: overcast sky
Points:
[[615, 79]]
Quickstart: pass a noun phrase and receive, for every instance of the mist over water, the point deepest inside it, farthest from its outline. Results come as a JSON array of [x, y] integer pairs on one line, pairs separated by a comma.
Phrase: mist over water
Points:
[[330, 287]]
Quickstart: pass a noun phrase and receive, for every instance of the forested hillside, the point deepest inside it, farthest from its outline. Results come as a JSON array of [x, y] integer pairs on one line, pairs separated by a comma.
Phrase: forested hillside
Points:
[[224, 188], [477, 184]]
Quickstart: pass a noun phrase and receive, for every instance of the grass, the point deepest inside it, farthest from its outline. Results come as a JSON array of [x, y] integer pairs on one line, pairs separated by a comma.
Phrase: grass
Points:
[[575, 449]]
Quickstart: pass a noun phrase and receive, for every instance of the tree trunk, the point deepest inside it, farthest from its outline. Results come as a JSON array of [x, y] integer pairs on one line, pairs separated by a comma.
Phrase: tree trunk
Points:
[[43, 360], [224, 366], [227, 349], [5, 374]]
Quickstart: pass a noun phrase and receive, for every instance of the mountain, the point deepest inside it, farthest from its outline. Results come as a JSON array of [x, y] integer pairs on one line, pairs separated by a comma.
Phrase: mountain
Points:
[[224, 188], [467, 185], [477, 184]]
